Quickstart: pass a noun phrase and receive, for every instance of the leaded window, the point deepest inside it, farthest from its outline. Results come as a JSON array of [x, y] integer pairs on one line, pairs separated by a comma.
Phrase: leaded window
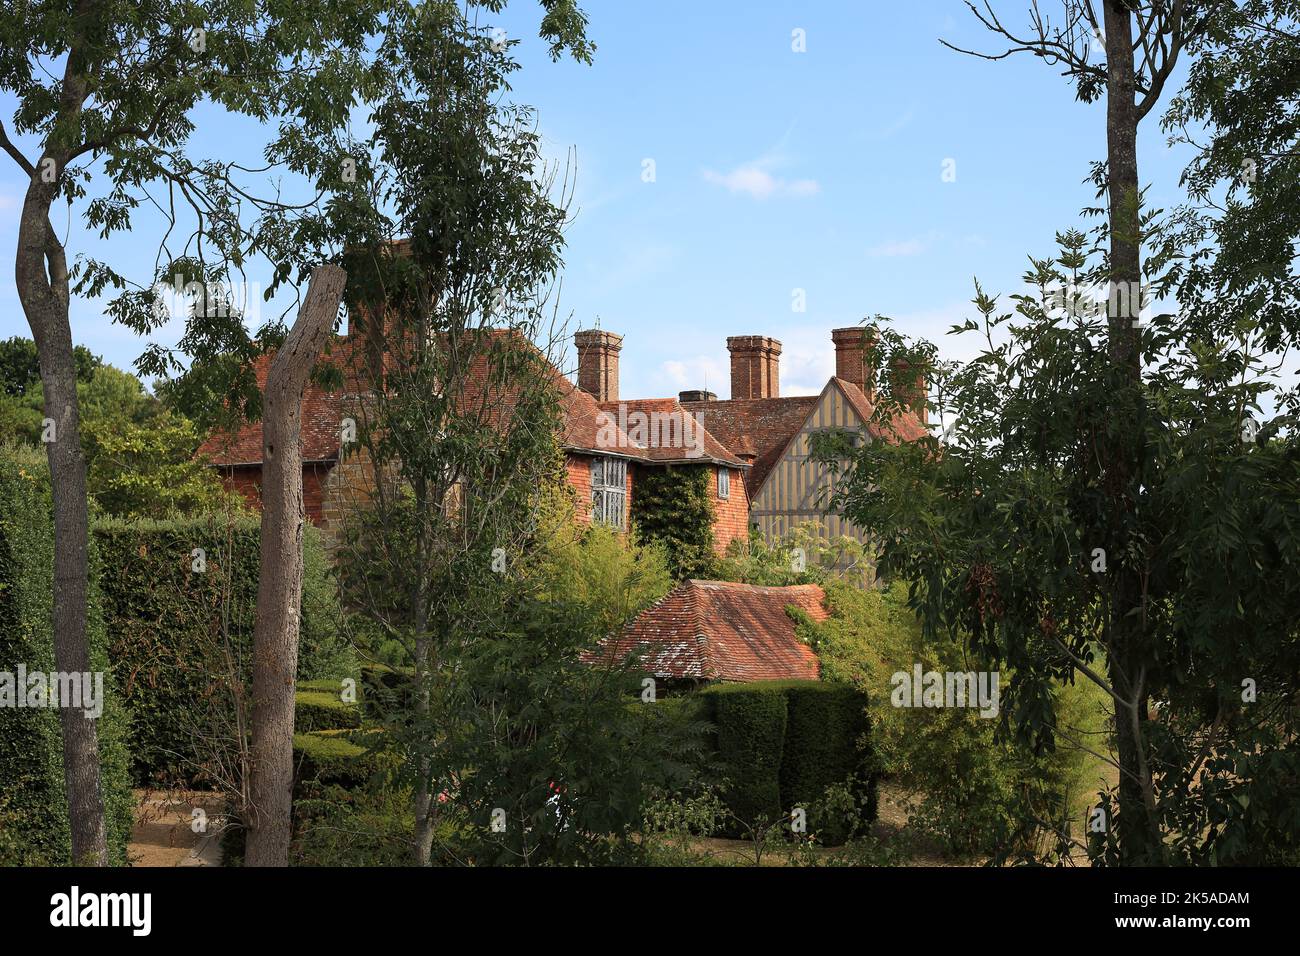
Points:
[[609, 491]]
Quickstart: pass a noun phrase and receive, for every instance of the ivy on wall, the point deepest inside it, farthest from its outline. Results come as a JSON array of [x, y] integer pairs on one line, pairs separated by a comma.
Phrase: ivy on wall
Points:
[[672, 505]]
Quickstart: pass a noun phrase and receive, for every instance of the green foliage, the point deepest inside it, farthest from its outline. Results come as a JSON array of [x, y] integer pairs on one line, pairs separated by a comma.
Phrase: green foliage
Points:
[[20, 367], [786, 745], [595, 567], [139, 456], [801, 557], [317, 706], [149, 470], [976, 789], [672, 507], [751, 721], [339, 756], [33, 811], [555, 741], [827, 744], [181, 638]]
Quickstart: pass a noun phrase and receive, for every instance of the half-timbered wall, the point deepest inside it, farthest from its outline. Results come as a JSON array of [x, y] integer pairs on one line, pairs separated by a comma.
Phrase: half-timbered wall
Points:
[[797, 490]]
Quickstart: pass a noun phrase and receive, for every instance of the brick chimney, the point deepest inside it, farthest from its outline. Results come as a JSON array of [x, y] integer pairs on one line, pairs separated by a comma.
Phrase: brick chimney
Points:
[[598, 363], [913, 388], [850, 358], [755, 366]]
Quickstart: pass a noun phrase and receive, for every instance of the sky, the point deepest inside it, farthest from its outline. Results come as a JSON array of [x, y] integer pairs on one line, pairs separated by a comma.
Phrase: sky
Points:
[[738, 160]]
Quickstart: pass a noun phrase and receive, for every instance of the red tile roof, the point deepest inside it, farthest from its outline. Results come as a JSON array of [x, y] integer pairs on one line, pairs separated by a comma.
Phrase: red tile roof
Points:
[[666, 439], [764, 427], [761, 427], [323, 411], [321, 417], [716, 630]]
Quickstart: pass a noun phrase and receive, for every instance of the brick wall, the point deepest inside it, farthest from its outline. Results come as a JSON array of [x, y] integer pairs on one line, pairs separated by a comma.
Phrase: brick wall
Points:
[[578, 470], [731, 515], [247, 480]]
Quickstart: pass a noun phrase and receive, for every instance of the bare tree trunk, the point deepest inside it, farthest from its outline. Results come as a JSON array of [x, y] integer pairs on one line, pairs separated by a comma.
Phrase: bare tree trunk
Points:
[[1137, 829], [279, 584]]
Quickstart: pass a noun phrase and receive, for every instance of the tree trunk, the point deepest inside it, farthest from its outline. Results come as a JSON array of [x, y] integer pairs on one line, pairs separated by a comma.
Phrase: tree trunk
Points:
[[41, 275], [279, 585], [1138, 835]]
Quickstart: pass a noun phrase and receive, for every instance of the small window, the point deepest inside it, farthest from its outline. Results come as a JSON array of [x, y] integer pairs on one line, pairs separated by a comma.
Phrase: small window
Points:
[[609, 491], [724, 482]]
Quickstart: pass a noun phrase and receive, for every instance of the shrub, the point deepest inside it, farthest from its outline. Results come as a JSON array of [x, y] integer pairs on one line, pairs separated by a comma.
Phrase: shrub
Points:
[[826, 744], [977, 790], [318, 706], [340, 757], [180, 598], [751, 723], [34, 826], [788, 744]]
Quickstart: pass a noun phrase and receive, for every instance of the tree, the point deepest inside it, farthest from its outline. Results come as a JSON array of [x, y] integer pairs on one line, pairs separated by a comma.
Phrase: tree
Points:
[[996, 531], [454, 239], [1157, 30], [275, 633], [111, 85]]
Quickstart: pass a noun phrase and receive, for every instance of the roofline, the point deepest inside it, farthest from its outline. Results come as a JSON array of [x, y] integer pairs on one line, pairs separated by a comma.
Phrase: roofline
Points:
[[699, 460], [253, 464]]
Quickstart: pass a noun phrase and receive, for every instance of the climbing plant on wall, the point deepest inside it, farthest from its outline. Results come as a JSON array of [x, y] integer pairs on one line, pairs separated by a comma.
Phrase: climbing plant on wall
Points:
[[671, 505]]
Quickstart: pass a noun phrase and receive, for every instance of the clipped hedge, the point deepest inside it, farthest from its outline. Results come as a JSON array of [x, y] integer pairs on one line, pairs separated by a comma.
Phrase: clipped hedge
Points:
[[784, 743], [826, 743], [34, 827], [348, 758], [318, 705], [751, 721], [179, 604]]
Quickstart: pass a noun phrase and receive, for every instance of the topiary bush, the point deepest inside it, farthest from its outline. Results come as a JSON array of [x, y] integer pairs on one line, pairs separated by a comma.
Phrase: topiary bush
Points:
[[34, 828], [827, 743], [319, 706], [787, 744], [751, 724], [180, 599]]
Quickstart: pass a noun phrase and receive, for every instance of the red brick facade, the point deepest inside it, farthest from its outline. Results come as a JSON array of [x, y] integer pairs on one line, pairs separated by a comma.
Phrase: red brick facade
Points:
[[247, 480], [731, 514]]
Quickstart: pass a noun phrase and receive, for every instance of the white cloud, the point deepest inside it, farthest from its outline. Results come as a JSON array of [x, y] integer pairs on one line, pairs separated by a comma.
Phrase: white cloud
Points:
[[700, 371], [755, 179], [897, 247]]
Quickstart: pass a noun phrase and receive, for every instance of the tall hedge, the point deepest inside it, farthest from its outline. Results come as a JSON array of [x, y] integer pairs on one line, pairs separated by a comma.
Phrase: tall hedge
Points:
[[179, 601], [34, 827], [826, 744], [751, 721], [784, 743]]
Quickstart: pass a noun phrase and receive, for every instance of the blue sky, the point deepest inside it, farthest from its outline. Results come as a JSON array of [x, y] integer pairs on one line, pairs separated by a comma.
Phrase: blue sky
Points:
[[774, 171]]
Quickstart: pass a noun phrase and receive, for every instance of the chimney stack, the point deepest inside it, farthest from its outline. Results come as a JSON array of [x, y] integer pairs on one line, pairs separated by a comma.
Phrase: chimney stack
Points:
[[755, 366], [913, 389], [850, 358], [598, 363]]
